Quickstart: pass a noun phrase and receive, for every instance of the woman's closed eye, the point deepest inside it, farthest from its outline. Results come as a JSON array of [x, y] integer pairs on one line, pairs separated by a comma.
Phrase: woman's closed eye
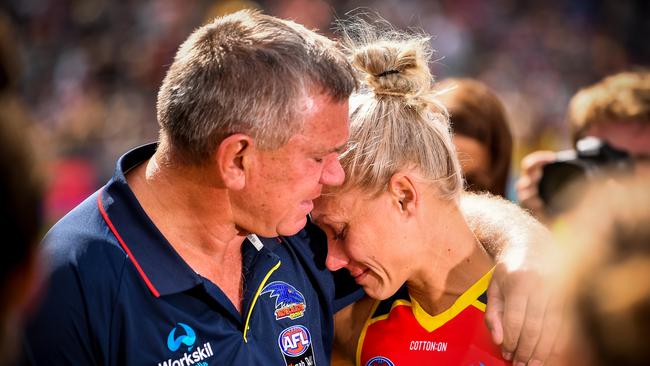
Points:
[[340, 234]]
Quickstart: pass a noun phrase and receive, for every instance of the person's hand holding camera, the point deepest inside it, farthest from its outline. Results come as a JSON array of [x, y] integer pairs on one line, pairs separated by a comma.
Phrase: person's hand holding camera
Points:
[[528, 182]]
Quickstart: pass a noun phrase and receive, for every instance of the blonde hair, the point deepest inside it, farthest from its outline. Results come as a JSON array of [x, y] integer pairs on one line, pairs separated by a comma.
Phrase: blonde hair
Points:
[[621, 97], [396, 122]]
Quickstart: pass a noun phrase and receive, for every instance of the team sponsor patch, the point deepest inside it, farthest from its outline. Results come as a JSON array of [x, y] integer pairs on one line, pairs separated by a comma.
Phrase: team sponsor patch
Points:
[[379, 361], [296, 347], [430, 346], [182, 338], [289, 302]]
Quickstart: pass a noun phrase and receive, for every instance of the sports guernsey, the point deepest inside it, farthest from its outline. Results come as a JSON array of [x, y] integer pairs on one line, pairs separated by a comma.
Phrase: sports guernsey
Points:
[[399, 332], [119, 294]]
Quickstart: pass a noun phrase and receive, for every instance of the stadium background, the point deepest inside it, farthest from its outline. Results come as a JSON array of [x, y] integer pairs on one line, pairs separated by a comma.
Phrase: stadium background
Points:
[[88, 70]]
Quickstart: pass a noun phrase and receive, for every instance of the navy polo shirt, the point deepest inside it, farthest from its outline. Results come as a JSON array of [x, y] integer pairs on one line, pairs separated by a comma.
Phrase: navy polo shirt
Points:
[[119, 294]]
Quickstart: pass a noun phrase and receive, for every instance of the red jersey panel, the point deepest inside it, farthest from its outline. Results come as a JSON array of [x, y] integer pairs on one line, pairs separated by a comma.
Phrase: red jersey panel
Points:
[[399, 333]]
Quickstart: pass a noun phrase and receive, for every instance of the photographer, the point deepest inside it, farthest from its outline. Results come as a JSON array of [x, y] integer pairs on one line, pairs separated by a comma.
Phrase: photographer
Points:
[[616, 110]]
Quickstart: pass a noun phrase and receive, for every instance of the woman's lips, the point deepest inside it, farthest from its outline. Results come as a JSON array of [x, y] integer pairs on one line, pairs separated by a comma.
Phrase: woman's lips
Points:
[[361, 276]]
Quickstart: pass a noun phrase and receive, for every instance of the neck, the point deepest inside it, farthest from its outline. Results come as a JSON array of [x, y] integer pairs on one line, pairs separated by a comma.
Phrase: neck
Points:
[[192, 211], [455, 260]]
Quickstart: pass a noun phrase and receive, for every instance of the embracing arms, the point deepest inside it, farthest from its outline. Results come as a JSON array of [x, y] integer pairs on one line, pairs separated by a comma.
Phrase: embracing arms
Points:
[[522, 313]]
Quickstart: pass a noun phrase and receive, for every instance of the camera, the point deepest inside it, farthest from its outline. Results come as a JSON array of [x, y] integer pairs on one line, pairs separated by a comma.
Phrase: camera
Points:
[[592, 158]]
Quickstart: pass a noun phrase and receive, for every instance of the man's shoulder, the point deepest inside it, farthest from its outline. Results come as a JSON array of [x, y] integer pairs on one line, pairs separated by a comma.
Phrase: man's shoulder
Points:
[[85, 275], [82, 239]]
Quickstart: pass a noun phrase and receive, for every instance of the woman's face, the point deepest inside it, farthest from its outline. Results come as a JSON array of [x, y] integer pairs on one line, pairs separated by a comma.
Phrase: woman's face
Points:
[[369, 237]]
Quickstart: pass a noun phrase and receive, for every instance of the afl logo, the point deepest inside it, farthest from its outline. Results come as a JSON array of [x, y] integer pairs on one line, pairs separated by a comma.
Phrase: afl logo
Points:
[[379, 361], [294, 341]]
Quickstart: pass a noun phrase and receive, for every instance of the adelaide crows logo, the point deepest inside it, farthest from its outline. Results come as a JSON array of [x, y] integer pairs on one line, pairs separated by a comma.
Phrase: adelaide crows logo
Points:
[[289, 302]]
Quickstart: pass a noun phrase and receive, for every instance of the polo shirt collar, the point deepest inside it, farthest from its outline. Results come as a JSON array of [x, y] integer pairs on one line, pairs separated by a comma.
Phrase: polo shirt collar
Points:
[[159, 265]]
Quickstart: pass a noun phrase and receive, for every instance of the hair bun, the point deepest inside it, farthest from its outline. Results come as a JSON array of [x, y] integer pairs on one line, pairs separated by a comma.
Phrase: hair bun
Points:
[[394, 66]]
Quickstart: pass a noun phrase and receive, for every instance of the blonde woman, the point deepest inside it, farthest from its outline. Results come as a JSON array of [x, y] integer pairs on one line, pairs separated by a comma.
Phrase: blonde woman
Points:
[[396, 225]]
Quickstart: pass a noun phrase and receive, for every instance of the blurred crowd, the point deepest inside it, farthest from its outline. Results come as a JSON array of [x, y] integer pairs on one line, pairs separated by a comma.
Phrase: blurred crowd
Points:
[[91, 69]]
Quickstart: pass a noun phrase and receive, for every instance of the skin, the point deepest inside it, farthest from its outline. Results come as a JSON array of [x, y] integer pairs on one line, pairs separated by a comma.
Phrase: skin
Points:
[[291, 177], [205, 211], [633, 137], [363, 245], [438, 256], [474, 161]]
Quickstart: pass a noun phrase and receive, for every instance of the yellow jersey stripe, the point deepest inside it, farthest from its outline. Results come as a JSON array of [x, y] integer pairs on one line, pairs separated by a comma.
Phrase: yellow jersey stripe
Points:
[[257, 294], [469, 297]]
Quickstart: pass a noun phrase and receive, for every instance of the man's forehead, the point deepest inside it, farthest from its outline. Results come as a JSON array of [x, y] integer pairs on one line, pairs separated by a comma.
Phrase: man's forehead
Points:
[[326, 124], [325, 107]]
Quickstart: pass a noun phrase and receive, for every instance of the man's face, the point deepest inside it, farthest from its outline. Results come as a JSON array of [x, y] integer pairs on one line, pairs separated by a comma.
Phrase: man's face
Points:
[[279, 192]]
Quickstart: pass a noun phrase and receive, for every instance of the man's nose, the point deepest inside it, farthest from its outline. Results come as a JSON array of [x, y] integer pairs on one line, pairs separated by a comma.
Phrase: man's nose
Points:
[[333, 174]]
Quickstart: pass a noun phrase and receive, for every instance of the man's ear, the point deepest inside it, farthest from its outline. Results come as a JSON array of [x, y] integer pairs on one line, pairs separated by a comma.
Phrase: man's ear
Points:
[[233, 155], [403, 192]]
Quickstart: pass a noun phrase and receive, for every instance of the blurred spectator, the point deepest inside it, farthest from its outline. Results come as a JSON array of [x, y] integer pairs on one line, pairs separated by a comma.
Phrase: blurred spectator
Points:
[[481, 134], [20, 197], [616, 110], [608, 239], [20, 221]]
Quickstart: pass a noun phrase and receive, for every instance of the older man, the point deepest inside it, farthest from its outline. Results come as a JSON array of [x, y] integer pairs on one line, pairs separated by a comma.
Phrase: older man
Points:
[[163, 265]]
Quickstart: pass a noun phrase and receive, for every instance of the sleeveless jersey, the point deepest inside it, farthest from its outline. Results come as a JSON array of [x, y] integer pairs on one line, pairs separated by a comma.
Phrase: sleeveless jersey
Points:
[[399, 332]]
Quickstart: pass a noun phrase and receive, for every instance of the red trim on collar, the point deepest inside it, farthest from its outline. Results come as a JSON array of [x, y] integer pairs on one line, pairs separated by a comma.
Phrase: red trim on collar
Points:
[[123, 244]]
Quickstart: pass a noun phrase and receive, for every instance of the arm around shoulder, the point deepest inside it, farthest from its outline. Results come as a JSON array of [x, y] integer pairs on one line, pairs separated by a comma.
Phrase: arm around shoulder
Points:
[[523, 308]]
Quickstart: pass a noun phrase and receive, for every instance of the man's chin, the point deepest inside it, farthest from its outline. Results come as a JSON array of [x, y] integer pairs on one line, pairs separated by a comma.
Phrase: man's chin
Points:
[[289, 229]]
